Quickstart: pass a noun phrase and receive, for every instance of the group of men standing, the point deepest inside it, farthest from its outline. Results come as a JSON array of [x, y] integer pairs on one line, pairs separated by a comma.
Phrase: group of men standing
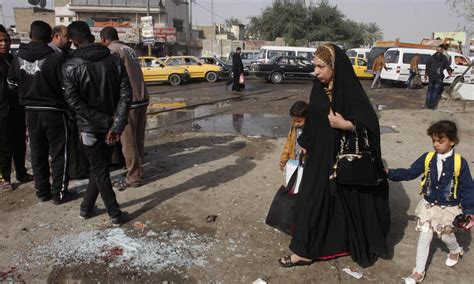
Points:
[[95, 90]]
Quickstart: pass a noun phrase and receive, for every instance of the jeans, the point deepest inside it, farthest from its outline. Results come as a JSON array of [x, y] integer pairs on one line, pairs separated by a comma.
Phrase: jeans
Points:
[[410, 79], [377, 79], [98, 154], [435, 88]]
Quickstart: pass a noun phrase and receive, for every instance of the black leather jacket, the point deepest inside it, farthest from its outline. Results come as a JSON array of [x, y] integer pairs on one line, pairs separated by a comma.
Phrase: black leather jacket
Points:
[[97, 89]]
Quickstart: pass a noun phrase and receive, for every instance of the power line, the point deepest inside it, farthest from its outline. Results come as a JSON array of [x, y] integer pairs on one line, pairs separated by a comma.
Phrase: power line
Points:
[[210, 11]]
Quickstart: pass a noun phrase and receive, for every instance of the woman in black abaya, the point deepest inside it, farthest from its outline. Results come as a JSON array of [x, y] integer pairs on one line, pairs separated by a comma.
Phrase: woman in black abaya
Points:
[[332, 220]]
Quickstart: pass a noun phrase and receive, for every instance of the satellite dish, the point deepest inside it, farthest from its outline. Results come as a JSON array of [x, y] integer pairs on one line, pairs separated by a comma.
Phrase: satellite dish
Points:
[[34, 2], [42, 3]]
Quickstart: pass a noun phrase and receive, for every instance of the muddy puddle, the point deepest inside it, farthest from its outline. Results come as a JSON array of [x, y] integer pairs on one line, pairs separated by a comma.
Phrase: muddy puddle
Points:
[[216, 118]]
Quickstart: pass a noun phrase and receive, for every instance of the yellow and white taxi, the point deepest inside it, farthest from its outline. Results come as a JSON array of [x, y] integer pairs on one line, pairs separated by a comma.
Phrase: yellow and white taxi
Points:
[[197, 69], [155, 70]]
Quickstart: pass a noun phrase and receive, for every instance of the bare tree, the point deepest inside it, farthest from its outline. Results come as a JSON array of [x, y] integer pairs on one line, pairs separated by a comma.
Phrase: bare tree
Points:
[[465, 9]]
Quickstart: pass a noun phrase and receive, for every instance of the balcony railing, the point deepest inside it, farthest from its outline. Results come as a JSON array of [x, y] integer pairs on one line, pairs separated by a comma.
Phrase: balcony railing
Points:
[[120, 3]]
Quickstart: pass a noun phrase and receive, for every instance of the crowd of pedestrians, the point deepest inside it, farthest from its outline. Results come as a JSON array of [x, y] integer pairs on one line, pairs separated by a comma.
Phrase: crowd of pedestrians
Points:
[[77, 99]]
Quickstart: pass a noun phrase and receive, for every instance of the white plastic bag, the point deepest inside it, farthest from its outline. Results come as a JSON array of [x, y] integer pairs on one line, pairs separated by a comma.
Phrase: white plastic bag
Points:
[[290, 168]]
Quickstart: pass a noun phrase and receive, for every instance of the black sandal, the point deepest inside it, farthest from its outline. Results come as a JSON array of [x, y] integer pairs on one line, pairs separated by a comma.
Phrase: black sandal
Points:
[[120, 185], [286, 262]]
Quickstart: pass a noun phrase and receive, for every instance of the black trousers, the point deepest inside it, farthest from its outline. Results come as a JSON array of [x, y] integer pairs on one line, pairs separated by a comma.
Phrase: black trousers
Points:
[[48, 136], [16, 132], [98, 156], [4, 149]]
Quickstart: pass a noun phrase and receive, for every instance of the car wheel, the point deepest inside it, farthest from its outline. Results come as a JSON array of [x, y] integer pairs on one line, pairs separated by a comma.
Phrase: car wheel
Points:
[[175, 79], [211, 77], [276, 78]]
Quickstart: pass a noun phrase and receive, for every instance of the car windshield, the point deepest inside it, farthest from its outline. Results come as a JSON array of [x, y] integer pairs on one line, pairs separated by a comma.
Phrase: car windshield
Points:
[[391, 56]]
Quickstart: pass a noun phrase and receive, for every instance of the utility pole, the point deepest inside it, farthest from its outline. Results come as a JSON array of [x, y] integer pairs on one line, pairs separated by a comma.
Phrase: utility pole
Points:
[[213, 27], [148, 14]]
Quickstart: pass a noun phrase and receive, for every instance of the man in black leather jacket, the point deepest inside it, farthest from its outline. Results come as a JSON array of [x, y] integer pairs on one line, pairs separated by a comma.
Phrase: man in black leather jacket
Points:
[[98, 90]]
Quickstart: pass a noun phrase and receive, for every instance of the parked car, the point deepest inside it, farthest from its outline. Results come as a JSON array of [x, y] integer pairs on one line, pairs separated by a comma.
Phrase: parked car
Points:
[[280, 68], [14, 48], [197, 69], [268, 52], [374, 52], [155, 70], [398, 62], [360, 66], [358, 52]]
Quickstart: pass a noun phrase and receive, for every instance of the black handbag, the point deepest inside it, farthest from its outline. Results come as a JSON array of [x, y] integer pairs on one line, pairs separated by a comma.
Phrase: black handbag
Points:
[[354, 166], [280, 214]]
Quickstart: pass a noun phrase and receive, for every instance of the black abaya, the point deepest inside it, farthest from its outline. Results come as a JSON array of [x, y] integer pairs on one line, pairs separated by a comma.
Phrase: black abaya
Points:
[[332, 220]]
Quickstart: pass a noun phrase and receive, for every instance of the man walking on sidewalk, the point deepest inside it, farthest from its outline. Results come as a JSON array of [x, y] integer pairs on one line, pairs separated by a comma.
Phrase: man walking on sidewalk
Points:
[[36, 72], [379, 63], [133, 136], [97, 89]]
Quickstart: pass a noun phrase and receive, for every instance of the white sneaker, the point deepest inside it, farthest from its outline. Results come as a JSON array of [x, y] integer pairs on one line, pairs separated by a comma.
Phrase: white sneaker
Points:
[[451, 262]]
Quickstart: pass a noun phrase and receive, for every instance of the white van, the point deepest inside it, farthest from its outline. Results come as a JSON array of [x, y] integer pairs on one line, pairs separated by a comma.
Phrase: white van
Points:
[[267, 52], [398, 60], [358, 52]]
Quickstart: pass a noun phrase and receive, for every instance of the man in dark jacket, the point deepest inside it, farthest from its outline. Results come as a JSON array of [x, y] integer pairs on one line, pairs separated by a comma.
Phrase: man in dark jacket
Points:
[[12, 122], [436, 68], [36, 72], [97, 89], [237, 69]]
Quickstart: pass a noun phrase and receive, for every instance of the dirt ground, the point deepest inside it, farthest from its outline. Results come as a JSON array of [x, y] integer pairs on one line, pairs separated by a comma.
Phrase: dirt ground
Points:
[[200, 215]]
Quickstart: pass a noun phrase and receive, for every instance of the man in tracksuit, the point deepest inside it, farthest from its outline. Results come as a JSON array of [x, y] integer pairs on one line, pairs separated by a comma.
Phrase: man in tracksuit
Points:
[[133, 136], [36, 72], [97, 89]]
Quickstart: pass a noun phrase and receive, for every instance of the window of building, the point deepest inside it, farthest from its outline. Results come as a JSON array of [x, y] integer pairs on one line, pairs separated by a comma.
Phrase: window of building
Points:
[[70, 19], [61, 19], [178, 25]]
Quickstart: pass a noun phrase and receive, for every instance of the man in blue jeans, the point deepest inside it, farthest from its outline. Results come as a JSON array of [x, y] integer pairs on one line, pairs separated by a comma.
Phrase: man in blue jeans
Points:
[[435, 67]]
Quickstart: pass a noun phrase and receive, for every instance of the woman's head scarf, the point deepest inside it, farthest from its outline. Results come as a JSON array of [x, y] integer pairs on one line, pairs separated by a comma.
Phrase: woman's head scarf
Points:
[[348, 97], [327, 54]]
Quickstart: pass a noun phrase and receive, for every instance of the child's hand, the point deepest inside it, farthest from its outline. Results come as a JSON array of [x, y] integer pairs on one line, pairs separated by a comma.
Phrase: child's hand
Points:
[[386, 170], [304, 151], [282, 165]]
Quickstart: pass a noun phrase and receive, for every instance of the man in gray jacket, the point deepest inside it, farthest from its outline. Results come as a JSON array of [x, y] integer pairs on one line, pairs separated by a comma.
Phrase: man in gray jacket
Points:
[[133, 136]]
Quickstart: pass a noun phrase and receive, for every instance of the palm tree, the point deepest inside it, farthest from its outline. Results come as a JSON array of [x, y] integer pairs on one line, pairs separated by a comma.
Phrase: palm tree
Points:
[[373, 32]]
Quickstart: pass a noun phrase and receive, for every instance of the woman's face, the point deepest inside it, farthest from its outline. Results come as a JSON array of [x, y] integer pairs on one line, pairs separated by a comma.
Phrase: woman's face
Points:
[[322, 71]]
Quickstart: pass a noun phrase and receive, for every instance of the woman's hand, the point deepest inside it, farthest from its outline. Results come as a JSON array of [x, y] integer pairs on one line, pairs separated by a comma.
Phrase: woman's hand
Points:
[[337, 121]]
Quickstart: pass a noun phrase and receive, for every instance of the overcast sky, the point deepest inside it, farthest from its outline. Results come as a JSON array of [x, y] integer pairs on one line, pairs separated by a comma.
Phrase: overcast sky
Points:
[[410, 20]]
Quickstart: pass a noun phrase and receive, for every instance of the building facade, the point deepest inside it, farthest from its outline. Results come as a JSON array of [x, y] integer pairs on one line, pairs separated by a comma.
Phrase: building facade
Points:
[[25, 16], [170, 17]]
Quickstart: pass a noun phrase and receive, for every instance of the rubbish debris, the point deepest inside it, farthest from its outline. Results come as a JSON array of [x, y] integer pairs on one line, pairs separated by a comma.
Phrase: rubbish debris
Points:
[[112, 254], [211, 218], [259, 281], [353, 272], [169, 249], [139, 226]]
